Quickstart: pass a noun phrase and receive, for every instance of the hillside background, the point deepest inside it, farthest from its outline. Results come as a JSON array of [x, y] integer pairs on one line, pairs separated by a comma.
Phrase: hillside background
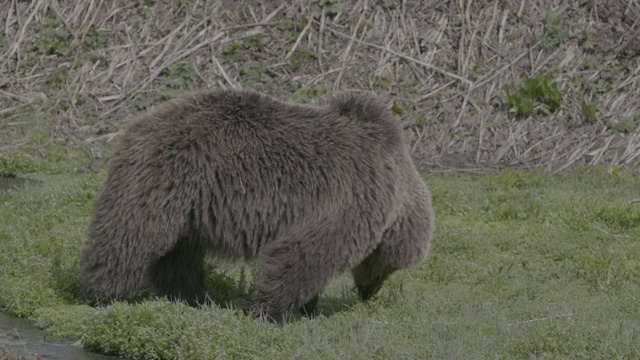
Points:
[[475, 83]]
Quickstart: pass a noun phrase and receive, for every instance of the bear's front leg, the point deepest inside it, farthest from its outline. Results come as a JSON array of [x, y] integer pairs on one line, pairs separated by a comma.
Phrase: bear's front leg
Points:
[[371, 274], [290, 281], [309, 309], [298, 266]]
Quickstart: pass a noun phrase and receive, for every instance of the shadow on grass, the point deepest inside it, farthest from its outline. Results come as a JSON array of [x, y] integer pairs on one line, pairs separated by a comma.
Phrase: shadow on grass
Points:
[[229, 292], [225, 290]]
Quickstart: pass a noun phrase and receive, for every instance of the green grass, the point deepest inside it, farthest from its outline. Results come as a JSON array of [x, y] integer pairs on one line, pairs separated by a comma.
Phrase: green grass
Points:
[[525, 265]]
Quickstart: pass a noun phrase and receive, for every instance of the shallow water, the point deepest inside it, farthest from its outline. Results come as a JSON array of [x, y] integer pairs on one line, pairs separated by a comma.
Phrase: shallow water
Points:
[[22, 336]]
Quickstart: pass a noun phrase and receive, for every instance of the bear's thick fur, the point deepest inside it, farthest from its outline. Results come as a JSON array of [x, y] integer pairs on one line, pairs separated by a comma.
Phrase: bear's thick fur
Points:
[[312, 190]]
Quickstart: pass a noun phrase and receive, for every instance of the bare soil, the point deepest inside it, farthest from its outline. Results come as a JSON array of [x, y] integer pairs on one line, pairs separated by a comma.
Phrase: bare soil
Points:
[[87, 68]]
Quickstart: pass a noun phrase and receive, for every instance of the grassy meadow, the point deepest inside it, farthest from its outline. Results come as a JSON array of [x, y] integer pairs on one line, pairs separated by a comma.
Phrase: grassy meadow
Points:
[[525, 264]]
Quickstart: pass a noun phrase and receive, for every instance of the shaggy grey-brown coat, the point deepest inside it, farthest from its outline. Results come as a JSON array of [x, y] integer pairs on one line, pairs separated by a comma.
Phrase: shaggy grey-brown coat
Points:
[[312, 190]]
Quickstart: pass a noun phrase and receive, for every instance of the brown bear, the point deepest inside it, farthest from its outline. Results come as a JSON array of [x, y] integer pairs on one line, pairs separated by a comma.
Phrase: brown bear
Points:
[[311, 190]]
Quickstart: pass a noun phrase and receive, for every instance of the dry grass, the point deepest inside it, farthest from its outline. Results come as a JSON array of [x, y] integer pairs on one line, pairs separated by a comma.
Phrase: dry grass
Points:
[[86, 68]]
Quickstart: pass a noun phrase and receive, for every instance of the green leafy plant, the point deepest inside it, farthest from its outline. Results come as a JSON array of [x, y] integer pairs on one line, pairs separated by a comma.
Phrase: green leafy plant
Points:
[[59, 78], [53, 39], [364, 27], [390, 4], [305, 93], [421, 122], [555, 33], [180, 75], [253, 43], [540, 92], [94, 39], [589, 40], [293, 28], [398, 109], [624, 125], [299, 57], [232, 52], [254, 74], [331, 8]]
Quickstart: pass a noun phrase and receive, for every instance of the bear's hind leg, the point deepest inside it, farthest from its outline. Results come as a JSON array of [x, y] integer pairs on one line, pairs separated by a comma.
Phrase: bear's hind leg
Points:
[[179, 275]]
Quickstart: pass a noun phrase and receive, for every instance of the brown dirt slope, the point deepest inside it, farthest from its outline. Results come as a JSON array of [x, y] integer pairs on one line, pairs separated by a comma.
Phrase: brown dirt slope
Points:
[[87, 67]]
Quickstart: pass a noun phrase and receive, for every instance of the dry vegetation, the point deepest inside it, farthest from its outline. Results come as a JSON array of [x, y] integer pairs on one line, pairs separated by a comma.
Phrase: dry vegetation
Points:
[[85, 68]]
